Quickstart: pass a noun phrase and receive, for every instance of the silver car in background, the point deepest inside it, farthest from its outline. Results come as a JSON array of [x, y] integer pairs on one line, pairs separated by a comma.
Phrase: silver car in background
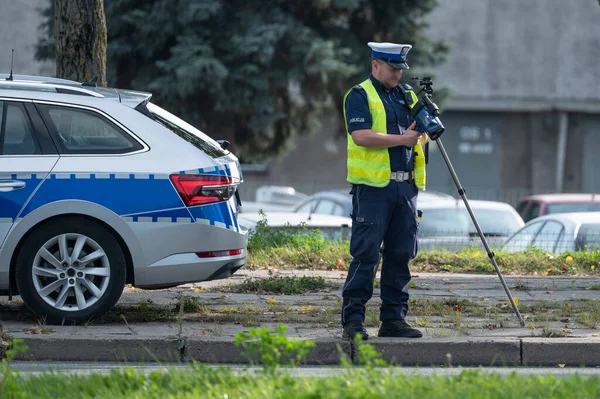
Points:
[[558, 233], [447, 225], [100, 187]]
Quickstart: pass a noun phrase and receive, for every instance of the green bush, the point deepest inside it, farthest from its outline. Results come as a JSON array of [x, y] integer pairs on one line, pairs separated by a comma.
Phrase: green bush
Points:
[[297, 237]]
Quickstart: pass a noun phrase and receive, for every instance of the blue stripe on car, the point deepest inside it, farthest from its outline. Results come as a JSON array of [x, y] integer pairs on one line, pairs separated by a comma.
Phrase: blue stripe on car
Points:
[[136, 197]]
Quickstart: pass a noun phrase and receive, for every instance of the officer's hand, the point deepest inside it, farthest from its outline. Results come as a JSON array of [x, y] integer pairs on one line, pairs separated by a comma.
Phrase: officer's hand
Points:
[[411, 136]]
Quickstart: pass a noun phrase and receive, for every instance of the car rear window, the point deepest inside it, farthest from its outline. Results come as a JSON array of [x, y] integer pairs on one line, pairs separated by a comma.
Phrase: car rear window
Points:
[[572, 207], [83, 131], [183, 129]]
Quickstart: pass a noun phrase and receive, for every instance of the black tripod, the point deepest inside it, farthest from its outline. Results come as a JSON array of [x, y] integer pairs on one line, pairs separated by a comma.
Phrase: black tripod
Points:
[[463, 195]]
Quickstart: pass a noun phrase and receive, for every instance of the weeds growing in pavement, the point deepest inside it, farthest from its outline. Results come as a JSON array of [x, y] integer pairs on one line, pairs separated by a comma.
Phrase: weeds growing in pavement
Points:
[[283, 285], [190, 304]]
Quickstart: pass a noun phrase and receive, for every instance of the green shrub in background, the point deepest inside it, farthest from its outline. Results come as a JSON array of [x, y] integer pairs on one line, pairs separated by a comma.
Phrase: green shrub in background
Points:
[[300, 237]]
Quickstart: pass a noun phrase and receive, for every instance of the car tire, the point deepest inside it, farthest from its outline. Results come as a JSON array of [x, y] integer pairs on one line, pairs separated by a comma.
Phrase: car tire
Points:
[[70, 270]]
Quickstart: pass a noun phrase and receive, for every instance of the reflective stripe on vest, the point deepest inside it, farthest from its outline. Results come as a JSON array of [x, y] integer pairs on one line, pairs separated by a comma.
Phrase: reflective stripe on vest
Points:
[[371, 166]]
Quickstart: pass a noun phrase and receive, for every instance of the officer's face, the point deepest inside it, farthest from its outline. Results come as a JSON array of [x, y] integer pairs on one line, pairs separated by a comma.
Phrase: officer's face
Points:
[[390, 77]]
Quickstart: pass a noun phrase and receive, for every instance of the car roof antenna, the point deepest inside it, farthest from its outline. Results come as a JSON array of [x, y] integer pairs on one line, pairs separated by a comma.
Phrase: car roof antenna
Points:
[[12, 57], [91, 83]]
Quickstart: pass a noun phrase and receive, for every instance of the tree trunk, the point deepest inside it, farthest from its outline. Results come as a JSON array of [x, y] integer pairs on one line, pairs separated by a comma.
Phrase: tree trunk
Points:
[[80, 38]]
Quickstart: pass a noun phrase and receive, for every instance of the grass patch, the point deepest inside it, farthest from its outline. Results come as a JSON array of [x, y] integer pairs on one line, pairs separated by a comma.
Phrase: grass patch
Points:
[[283, 285], [595, 287], [531, 261], [274, 350], [201, 381], [298, 251]]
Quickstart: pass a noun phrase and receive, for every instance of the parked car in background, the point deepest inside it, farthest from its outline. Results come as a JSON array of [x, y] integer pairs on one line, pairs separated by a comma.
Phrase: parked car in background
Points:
[[100, 187], [558, 233], [332, 227], [253, 207], [545, 204], [281, 195], [273, 199], [446, 224], [339, 202]]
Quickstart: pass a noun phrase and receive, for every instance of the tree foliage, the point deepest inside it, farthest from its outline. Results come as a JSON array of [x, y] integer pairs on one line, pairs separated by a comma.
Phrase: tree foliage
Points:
[[253, 72]]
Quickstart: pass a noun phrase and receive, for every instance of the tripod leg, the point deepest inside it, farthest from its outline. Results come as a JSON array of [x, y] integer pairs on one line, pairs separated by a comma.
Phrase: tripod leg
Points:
[[462, 193]]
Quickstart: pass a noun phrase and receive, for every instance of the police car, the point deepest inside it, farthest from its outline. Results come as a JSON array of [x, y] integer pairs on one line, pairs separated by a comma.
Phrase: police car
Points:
[[100, 187]]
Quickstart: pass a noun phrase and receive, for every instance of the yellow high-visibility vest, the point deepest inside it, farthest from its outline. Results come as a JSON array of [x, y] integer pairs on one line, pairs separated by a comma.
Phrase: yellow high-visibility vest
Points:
[[371, 166]]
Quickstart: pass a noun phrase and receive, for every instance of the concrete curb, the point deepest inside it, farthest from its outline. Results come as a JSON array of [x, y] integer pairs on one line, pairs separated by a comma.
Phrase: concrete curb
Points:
[[224, 350], [408, 352], [568, 351], [442, 351], [101, 349]]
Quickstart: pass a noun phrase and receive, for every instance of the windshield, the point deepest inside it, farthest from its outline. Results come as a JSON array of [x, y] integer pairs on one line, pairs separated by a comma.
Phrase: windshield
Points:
[[450, 222], [184, 130]]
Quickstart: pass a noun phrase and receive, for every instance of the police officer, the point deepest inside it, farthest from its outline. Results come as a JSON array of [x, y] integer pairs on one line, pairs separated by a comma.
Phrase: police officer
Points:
[[386, 166]]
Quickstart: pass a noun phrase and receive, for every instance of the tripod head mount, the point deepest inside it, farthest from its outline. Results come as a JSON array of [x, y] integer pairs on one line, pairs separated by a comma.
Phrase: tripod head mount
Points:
[[426, 82]]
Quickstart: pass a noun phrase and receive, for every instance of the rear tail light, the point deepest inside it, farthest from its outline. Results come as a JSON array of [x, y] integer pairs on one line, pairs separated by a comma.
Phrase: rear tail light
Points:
[[216, 254], [204, 189]]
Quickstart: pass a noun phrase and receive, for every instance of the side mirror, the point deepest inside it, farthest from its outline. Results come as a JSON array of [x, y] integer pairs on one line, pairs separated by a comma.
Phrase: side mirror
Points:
[[223, 143]]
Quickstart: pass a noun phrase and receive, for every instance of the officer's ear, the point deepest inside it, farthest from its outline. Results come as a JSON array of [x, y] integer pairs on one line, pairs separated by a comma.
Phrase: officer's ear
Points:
[[375, 63]]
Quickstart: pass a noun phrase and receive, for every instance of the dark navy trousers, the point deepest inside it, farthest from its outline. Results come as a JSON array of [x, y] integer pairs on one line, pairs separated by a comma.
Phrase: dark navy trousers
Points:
[[385, 215]]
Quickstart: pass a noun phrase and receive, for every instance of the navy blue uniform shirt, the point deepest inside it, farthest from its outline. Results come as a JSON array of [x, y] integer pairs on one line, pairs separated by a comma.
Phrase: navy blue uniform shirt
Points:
[[358, 116]]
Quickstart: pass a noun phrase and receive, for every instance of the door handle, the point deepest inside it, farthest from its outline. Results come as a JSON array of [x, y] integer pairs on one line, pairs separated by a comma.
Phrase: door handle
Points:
[[10, 185]]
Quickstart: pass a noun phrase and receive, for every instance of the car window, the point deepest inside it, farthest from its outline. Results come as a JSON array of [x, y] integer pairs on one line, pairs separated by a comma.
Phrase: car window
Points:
[[307, 207], [548, 236], [523, 238], [572, 207], [184, 130], [521, 207], [588, 237], [16, 135], [532, 212], [444, 222], [325, 207], [457, 221], [82, 131], [338, 210]]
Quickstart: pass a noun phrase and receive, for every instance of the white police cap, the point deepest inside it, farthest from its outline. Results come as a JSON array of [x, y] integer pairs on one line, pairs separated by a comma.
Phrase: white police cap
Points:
[[391, 53]]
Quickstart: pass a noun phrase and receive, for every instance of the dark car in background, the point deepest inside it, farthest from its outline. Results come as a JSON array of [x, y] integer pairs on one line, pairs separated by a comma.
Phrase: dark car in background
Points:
[[545, 204]]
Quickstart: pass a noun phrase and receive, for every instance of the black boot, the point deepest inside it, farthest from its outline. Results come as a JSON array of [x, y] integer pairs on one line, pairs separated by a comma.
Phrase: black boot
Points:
[[398, 328], [353, 328]]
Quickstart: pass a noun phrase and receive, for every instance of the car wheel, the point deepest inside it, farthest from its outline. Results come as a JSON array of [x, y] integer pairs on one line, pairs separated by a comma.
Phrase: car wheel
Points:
[[70, 270]]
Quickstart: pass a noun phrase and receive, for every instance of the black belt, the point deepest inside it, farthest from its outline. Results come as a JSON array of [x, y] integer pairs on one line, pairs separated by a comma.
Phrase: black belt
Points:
[[402, 176]]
